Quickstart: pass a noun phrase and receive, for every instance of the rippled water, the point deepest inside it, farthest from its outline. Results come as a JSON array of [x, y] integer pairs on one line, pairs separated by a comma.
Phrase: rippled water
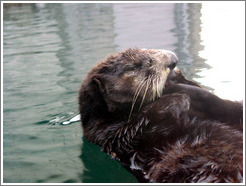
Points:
[[48, 49]]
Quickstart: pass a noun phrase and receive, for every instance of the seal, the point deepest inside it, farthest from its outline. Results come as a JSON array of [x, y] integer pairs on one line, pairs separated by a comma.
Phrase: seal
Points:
[[143, 112]]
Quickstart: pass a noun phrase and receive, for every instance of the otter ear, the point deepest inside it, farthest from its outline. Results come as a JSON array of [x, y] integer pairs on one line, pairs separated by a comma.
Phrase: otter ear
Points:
[[99, 81]]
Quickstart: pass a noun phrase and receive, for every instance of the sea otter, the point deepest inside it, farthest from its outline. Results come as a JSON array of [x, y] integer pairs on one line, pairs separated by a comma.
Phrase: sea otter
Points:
[[143, 112]]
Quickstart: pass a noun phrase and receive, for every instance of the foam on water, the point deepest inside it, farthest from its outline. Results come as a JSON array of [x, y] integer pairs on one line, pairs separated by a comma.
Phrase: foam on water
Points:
[[72, 120]]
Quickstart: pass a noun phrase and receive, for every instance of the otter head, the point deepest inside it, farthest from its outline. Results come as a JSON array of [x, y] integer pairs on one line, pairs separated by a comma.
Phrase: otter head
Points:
[[134, 76]]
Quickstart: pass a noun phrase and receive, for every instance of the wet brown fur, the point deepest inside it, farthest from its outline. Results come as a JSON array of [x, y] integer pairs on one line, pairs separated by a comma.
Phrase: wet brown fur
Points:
[[185, 134]]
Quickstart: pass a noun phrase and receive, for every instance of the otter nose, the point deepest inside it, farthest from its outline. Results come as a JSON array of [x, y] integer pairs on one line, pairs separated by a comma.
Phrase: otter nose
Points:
[[173, 61]]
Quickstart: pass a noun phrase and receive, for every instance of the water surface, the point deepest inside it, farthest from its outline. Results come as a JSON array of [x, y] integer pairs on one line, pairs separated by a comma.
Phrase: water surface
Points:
[[49, 48]]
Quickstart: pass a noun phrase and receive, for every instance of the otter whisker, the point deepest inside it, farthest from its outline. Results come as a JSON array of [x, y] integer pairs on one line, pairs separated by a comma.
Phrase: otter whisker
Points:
[[139, 88], [153, 89], [137, 92], [147, 86], [157, 88]]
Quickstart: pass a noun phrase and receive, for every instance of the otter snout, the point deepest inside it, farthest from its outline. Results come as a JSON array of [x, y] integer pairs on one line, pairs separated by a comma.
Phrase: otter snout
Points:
[[173, 61], [169, 58]]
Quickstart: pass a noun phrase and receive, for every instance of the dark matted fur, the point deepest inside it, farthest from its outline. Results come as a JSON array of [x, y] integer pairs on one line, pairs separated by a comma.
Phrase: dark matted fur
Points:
[[174, 133]]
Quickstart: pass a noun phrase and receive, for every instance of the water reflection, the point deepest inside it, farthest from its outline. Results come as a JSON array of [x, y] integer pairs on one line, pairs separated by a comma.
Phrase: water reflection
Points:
[[223, 35], [187, 21], [207, 35], [144, 25], [87, 39]]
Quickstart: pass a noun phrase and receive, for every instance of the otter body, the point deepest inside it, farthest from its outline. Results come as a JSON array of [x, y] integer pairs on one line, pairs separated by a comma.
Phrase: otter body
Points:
[[160, 126]]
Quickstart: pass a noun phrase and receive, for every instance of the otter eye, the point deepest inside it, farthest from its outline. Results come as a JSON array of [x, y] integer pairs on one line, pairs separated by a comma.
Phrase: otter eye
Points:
[[137, 66]]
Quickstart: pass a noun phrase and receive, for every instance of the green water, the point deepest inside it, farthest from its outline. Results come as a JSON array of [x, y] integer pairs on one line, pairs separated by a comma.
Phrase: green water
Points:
[[49, 48]]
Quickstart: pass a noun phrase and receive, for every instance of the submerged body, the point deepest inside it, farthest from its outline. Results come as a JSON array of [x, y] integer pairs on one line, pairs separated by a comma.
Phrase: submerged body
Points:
[[160, 126]]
